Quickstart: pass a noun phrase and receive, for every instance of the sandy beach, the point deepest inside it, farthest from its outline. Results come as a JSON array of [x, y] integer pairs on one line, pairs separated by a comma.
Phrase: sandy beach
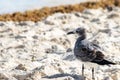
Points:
[[43, 51]]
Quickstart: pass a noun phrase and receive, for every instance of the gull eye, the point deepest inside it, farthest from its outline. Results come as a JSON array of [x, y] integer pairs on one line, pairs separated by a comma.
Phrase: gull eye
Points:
[[77, 31], [84, 49]]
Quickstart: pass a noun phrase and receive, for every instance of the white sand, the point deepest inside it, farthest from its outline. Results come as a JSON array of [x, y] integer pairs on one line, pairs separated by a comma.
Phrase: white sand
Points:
[[42, 50]]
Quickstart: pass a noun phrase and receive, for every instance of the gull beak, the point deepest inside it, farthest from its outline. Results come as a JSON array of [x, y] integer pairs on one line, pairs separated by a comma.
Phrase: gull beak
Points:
[[71, 32]]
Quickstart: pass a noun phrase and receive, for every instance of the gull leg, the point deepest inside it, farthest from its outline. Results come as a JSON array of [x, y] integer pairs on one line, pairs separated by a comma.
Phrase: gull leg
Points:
[[93, 78], [83, 71]]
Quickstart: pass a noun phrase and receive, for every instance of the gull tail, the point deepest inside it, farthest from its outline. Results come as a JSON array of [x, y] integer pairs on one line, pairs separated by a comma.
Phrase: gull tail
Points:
[[103, 62]]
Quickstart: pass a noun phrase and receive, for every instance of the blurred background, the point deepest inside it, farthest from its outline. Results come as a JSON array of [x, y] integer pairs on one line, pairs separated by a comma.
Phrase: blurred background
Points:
[[10, 6], [36, 10]]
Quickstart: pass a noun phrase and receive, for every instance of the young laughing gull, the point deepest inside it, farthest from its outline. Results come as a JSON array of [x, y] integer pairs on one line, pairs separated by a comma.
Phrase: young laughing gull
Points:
[[87, 51]]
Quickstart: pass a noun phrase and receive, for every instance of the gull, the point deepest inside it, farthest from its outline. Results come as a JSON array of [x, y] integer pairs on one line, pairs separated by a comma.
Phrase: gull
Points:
[[87, 51]]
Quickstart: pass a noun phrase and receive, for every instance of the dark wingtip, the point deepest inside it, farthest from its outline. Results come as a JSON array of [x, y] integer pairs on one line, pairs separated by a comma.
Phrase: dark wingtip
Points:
[[104, 62], [108, 62], [114, 63]]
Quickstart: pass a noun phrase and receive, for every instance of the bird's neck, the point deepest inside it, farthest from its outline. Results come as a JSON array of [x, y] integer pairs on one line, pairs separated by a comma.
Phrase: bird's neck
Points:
[[79, 39], [82, 37]]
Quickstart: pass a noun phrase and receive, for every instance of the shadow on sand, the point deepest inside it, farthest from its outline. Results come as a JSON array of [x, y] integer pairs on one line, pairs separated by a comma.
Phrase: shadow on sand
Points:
[[75, 77]]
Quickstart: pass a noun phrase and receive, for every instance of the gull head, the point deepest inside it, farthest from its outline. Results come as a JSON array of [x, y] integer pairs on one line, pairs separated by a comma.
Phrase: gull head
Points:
[[79, 31]]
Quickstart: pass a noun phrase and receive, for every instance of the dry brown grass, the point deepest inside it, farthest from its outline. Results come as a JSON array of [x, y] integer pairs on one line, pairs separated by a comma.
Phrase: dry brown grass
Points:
[[37, 15]]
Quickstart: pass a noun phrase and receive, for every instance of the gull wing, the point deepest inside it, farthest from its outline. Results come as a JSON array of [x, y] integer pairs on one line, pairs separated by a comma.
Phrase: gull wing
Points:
[[100, 59]]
